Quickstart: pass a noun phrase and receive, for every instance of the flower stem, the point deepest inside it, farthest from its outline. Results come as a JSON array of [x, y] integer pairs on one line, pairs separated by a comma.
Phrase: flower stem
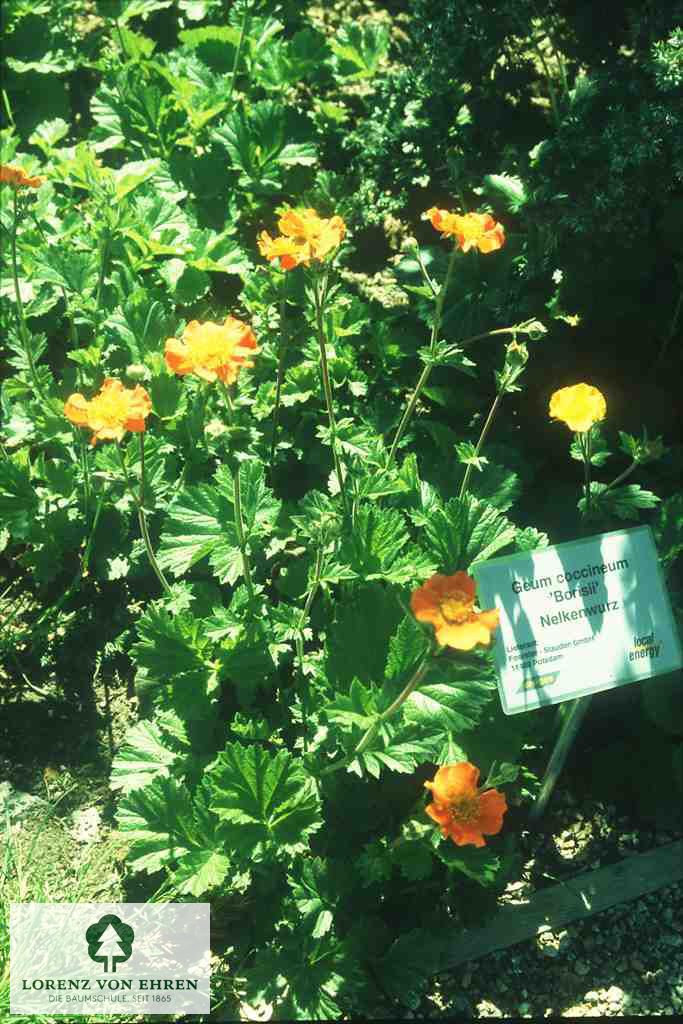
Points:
[[239, 529], [439, 300], [282, 353], [327, 387], [240, 46], [373, 729], [237, 503], [622, 476], [142, 518], [584, 445], [300, 640], [23, 331], [480, 443]]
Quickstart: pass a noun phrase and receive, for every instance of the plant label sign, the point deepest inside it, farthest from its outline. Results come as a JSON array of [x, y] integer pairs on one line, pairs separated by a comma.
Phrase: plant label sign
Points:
[[577, 618]]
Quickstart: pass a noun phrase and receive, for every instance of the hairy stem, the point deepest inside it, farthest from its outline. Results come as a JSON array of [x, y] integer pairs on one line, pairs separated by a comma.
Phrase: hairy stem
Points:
[[23, 331], [320, 294], [240, 46], [142, 518], [239, 529], [282, 354], [373, 729], [439, 300], [482, 438], [300, 640]]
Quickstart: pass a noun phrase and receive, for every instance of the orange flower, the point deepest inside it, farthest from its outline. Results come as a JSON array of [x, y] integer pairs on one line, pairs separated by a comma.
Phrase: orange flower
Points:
[[212, 351], [579, 406], [470, 230], [305, 237], [111, 413], [462, 812], [448, 603], [17, 178]]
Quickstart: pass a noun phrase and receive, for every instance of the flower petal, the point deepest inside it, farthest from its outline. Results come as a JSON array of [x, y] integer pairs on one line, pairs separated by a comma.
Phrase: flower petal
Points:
[[492, 807], [452, 782]]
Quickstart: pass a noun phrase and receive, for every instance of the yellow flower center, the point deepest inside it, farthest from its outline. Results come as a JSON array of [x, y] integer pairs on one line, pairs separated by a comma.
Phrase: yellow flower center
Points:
[[211, 346], [465, 809], [111, 408], [456, 608]]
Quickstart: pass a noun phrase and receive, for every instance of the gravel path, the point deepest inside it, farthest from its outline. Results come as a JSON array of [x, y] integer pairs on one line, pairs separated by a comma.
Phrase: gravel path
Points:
[[627, 960]]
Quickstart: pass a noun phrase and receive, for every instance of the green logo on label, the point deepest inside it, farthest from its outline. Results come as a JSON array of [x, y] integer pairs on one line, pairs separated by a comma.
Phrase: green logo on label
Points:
[[110, 941]]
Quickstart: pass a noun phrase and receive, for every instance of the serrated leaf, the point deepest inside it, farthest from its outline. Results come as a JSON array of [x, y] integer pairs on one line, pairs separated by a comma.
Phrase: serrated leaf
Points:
[[170, 659], [451, 697], [265, 801], [409, 963], [18, 499], [200, 523], [497, 486], [415, 860], [463, 531], [668, 529], [142, 757], [379, 548], [623, 502], [75, 271], [314, 894], [359, 48], [479, 863], [511, 189], [168, 828], [406, 649], [131, 175], [358, 639]]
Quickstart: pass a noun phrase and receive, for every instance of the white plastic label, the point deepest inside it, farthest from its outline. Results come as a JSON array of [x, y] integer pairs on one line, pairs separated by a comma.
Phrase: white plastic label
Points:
[[579, 617]]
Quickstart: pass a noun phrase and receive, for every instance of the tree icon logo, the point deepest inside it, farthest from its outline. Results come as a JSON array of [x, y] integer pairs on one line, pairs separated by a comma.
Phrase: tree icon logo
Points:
[[110, 941]]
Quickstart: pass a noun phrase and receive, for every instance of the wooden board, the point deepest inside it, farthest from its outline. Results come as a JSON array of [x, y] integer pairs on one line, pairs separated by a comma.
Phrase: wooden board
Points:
[[571, 901]]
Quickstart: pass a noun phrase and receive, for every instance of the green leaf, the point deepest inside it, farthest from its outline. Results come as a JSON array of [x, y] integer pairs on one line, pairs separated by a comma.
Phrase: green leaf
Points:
[[510, 189], [599, 451], [302, 976], [130, 176], [259, 143], [406, 649], [314, 894], [378, 549], [265, 801], [170, 656], [168, 828], [186, 284], [47, 134], [142, 757], [623, 502], [497, 486], [463, 531], [451, 697], [75, 271], [479, 863], [200, 522], [529, 538], [360, 48], [358, 639], [668, 529], [409, 964], [18, 499], [159, 821], [415, 860], [467, 455]]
